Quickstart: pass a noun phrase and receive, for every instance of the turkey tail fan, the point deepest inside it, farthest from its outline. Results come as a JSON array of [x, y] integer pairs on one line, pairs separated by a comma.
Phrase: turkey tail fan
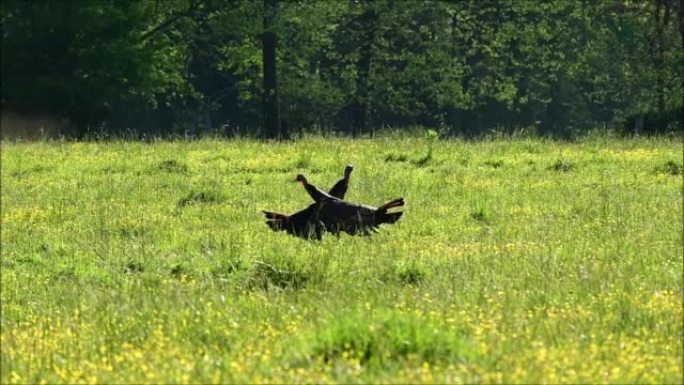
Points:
[[390, 212], [277, 221]]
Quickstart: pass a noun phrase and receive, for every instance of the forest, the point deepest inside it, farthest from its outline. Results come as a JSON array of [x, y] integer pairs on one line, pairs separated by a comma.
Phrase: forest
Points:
[[279, 69]]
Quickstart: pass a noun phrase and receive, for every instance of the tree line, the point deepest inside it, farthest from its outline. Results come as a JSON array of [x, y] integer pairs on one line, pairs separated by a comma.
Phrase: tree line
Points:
[[276, 68]]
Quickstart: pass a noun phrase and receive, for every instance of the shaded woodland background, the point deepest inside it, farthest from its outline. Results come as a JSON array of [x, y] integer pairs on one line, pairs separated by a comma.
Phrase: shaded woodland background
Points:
[[276, 69]]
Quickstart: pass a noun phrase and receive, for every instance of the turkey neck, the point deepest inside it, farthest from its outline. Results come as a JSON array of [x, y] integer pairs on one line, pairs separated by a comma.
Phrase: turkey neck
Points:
[[316, 194]]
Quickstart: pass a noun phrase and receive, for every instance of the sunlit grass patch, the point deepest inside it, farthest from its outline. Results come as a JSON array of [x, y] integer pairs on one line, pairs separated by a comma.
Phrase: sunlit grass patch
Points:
[[517, 261], [383, 339]]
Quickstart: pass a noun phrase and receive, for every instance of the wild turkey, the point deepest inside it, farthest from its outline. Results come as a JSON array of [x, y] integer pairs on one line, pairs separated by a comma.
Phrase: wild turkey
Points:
[[339, 190], [300, 224], [337, 215]]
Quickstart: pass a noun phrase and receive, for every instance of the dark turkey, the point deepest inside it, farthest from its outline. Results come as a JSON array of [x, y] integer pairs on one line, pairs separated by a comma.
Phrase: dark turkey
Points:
[[300, 224], [339, 190], [337, 215]]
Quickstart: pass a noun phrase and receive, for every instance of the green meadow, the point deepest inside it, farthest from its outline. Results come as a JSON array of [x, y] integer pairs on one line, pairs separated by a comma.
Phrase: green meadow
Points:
[[517, 261]]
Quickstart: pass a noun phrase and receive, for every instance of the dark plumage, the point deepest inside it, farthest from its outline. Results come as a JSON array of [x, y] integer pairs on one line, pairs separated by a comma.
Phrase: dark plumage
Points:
[[300, 224], [339, 190], [337, 215]]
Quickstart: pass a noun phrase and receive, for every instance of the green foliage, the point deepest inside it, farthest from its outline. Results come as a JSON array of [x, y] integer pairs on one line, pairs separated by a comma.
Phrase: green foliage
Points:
[[561, 166], [557, 68], [410, 273], [494, 163], [199, 197], [396, 158], [173, 166], [670, 167], [383, 339], [61, 55], [431, 135], [266, 275]]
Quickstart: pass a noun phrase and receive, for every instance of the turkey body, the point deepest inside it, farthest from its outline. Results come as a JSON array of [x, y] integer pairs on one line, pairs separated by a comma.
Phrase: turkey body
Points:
[[302, 223], [337, 215], [333, 214], [354, 219]]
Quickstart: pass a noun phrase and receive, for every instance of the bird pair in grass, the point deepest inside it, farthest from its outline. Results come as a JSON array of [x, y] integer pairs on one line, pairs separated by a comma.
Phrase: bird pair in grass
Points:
[[330, 212]]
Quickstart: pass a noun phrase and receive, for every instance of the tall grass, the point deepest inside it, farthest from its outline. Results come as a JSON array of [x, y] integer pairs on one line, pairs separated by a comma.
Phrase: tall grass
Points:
[[516, 261]]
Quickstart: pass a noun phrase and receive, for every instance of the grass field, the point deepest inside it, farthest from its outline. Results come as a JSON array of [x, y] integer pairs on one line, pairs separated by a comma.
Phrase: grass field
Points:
[[517, 261]]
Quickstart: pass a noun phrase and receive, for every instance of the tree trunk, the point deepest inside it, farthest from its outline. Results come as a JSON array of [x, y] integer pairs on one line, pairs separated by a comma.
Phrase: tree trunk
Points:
[[681, 21], [681, 34], [659, 59], [662, 15], [208, 125], [271, 108], [367, 21], [452, 111]]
